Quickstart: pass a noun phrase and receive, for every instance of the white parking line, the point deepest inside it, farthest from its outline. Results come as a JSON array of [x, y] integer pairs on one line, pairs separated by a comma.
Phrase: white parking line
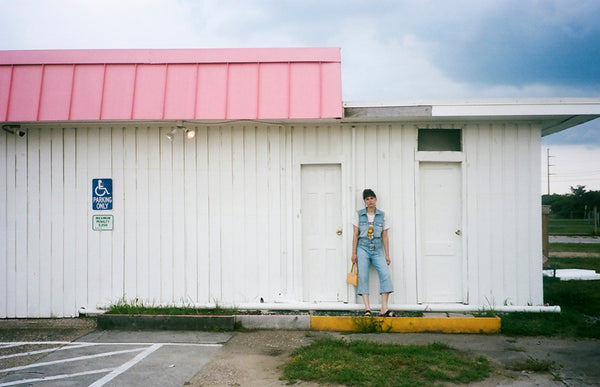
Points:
[[145, 350], [45, 350], [17, 343], [55, 377], [36, 365], [118, 371], [161, 343]]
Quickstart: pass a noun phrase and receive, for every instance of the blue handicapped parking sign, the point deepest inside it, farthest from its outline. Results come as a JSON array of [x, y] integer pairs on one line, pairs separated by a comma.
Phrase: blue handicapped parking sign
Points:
[[102, 194]]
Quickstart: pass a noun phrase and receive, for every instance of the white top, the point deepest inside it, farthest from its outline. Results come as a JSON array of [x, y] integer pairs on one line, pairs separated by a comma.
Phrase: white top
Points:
[[371, 219]]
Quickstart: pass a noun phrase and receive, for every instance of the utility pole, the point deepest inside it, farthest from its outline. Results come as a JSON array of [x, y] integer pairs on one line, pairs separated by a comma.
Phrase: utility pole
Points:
[[548, 167]]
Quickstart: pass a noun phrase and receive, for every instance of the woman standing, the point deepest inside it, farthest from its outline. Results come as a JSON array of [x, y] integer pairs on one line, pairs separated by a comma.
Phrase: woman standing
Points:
[[370, 245]]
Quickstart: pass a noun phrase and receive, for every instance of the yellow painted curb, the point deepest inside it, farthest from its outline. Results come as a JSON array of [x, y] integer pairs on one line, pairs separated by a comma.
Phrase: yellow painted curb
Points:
[[407, 324]]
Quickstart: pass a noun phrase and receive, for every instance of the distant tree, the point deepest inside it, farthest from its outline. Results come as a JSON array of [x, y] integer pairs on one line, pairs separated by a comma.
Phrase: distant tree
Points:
[[574, 205], [579, 191], [549, 200]]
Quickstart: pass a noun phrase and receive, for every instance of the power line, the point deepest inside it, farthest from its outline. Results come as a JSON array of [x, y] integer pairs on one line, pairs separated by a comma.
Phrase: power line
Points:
[[548, 168]]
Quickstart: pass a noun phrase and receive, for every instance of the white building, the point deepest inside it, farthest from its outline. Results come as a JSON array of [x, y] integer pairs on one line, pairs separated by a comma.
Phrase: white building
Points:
[[254, 211]]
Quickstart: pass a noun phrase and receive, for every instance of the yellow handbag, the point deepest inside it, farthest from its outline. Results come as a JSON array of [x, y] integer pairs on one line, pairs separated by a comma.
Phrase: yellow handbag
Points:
[[352, 277]]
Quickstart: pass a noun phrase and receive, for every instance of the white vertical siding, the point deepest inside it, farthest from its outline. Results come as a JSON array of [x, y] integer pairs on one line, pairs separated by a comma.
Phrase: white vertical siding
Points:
[[186, 213], [93, 274], [384, 160], [21, 265], [191, 252], [45, 216], [535, 261], [237, 206], [4, 242], [215, 218], [253, 193], [143, 217], [70, 218], [153, 228], [82, 203], [165, 223], [33, 224], [11, 214], [57, 221], [405, 231], [503, 215], [178, 241], [126, 181]]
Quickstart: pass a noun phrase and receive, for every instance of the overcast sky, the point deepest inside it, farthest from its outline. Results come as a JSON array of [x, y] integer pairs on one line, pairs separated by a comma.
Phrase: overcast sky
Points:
[[391, 50]]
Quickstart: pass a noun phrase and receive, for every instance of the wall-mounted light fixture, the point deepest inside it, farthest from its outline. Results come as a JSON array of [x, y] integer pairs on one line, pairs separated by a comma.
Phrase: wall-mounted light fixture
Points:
[[14, 129], [189, 133], [171, 134]]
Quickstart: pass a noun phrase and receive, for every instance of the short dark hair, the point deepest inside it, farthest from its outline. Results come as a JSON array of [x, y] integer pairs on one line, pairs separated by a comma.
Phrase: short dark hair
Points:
[[368, 192]]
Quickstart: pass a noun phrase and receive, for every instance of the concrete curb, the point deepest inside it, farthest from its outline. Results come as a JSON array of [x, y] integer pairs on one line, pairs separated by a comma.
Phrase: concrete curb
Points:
[[162, 322], [284, 322], [302, 322]]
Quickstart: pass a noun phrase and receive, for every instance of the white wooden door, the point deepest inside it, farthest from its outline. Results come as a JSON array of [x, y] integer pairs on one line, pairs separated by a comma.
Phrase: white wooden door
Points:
[[440, 214], [323, 269]]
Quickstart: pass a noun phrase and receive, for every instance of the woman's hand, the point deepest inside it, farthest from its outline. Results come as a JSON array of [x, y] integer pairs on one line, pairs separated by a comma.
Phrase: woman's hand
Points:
[[386, 246], [354, 243]]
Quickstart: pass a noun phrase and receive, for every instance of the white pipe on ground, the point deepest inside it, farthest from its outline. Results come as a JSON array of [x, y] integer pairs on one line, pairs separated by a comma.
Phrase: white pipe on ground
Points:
[[307, 306]]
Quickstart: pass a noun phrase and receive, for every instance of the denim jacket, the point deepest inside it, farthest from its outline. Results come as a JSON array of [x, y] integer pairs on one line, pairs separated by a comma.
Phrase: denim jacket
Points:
[[363, 224]]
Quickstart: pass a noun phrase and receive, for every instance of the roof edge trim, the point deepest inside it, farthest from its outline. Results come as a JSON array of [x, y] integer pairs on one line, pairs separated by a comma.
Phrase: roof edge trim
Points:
[[162, 56]]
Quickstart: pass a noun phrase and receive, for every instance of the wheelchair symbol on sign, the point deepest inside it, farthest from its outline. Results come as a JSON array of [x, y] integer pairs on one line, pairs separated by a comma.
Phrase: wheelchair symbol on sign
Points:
[[100, 188], [102, 194]]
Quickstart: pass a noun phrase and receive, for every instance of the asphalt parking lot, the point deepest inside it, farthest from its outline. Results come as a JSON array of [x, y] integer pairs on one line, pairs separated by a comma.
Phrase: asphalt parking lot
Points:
[[109, 358], [64, 352]]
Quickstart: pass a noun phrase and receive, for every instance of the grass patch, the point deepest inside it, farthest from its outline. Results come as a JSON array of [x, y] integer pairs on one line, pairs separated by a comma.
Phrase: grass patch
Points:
[[369, 324], [579, 316], [574, 247], [570, 227], [565, 324], [575, 263], [362, 363], [579, 302], [534, 365], [133, 307], [574, 296]]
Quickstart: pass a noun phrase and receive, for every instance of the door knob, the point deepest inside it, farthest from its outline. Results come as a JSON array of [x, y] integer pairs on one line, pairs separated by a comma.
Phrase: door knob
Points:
[[339, 232], [458, 232]]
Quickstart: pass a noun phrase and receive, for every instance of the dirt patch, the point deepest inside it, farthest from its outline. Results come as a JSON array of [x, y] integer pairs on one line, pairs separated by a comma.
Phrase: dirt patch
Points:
[[257, 358], [566, 254], [253, 359]]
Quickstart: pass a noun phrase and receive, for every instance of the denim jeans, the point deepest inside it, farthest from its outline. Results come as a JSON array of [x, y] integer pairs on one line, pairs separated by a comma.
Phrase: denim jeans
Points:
[[371, 252]]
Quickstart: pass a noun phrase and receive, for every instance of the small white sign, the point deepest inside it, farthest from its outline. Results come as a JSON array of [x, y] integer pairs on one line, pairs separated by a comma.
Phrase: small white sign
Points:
[[102, 222]]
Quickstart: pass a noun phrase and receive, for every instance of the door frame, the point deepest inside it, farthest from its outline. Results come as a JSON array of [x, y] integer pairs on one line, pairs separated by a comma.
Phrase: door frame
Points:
[[441, 157], [298, 285]]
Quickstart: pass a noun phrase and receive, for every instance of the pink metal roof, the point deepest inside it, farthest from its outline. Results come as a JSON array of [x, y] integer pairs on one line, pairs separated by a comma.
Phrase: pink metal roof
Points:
[[63, 85]]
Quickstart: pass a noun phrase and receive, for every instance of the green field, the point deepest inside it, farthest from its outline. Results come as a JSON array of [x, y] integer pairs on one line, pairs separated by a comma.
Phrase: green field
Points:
[[579, 302], [574, 247], [570, 227]]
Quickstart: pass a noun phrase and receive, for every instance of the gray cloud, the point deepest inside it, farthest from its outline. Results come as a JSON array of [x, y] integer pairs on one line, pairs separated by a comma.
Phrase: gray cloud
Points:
[[521, 43], [584, 134], [391, 50]]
